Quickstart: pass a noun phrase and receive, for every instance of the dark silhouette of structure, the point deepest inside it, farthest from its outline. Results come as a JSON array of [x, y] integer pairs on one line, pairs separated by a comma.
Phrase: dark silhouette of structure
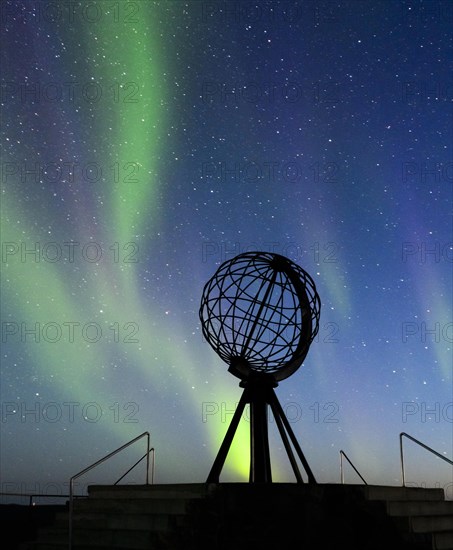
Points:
[[260, 312]]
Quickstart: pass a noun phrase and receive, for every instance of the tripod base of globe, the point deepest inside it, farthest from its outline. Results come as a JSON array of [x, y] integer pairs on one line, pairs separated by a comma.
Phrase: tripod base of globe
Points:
[[260, 395]]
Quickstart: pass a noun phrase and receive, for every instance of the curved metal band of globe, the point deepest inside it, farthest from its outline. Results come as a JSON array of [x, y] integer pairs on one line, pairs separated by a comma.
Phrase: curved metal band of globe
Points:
[[260, 312]]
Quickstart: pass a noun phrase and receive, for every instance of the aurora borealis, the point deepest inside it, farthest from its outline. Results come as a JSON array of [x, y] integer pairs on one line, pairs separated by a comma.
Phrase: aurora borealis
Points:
[[143, 143]]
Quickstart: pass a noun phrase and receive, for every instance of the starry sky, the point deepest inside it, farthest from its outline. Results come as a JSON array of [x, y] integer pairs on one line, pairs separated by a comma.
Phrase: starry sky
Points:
[[143, 144]]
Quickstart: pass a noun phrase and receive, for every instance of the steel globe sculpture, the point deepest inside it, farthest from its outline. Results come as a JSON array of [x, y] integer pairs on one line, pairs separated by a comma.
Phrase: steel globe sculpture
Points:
[[260, 312]]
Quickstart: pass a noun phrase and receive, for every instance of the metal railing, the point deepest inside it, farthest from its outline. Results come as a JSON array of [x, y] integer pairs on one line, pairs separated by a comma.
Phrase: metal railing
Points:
[[100, 461], [153, 460], [404, 434], [343, 454]]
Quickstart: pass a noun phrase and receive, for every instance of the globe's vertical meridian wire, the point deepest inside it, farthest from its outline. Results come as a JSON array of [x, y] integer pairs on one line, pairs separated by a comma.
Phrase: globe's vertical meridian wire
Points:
[[260, 310]]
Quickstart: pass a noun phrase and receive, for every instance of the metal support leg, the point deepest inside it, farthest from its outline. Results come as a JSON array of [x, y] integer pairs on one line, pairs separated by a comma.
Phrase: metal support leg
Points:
[[214, 474], [286, 443], [280, 412], [260, 460]]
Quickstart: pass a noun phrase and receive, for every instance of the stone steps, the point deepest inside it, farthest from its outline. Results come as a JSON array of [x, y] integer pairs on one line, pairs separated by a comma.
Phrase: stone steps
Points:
[[422, 511], [431, 524], [136, 506], [95, 519], [239, 516], [157, 491], [126, 517], [419, 508], [443, 541], [390, 493]]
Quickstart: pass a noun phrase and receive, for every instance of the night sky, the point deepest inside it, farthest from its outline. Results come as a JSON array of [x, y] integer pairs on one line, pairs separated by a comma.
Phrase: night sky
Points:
[[143, 144]]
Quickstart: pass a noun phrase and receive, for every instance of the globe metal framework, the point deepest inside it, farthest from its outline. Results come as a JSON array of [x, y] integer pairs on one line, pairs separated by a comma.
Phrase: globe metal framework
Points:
[[260, 312]]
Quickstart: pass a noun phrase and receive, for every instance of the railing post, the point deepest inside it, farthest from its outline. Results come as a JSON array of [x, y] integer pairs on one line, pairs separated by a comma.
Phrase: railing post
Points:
[[147, 459], [402, 459], [71, 485]]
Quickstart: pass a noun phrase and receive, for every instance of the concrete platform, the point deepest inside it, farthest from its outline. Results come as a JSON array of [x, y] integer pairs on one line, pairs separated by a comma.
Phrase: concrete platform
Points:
[[240, 516]]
